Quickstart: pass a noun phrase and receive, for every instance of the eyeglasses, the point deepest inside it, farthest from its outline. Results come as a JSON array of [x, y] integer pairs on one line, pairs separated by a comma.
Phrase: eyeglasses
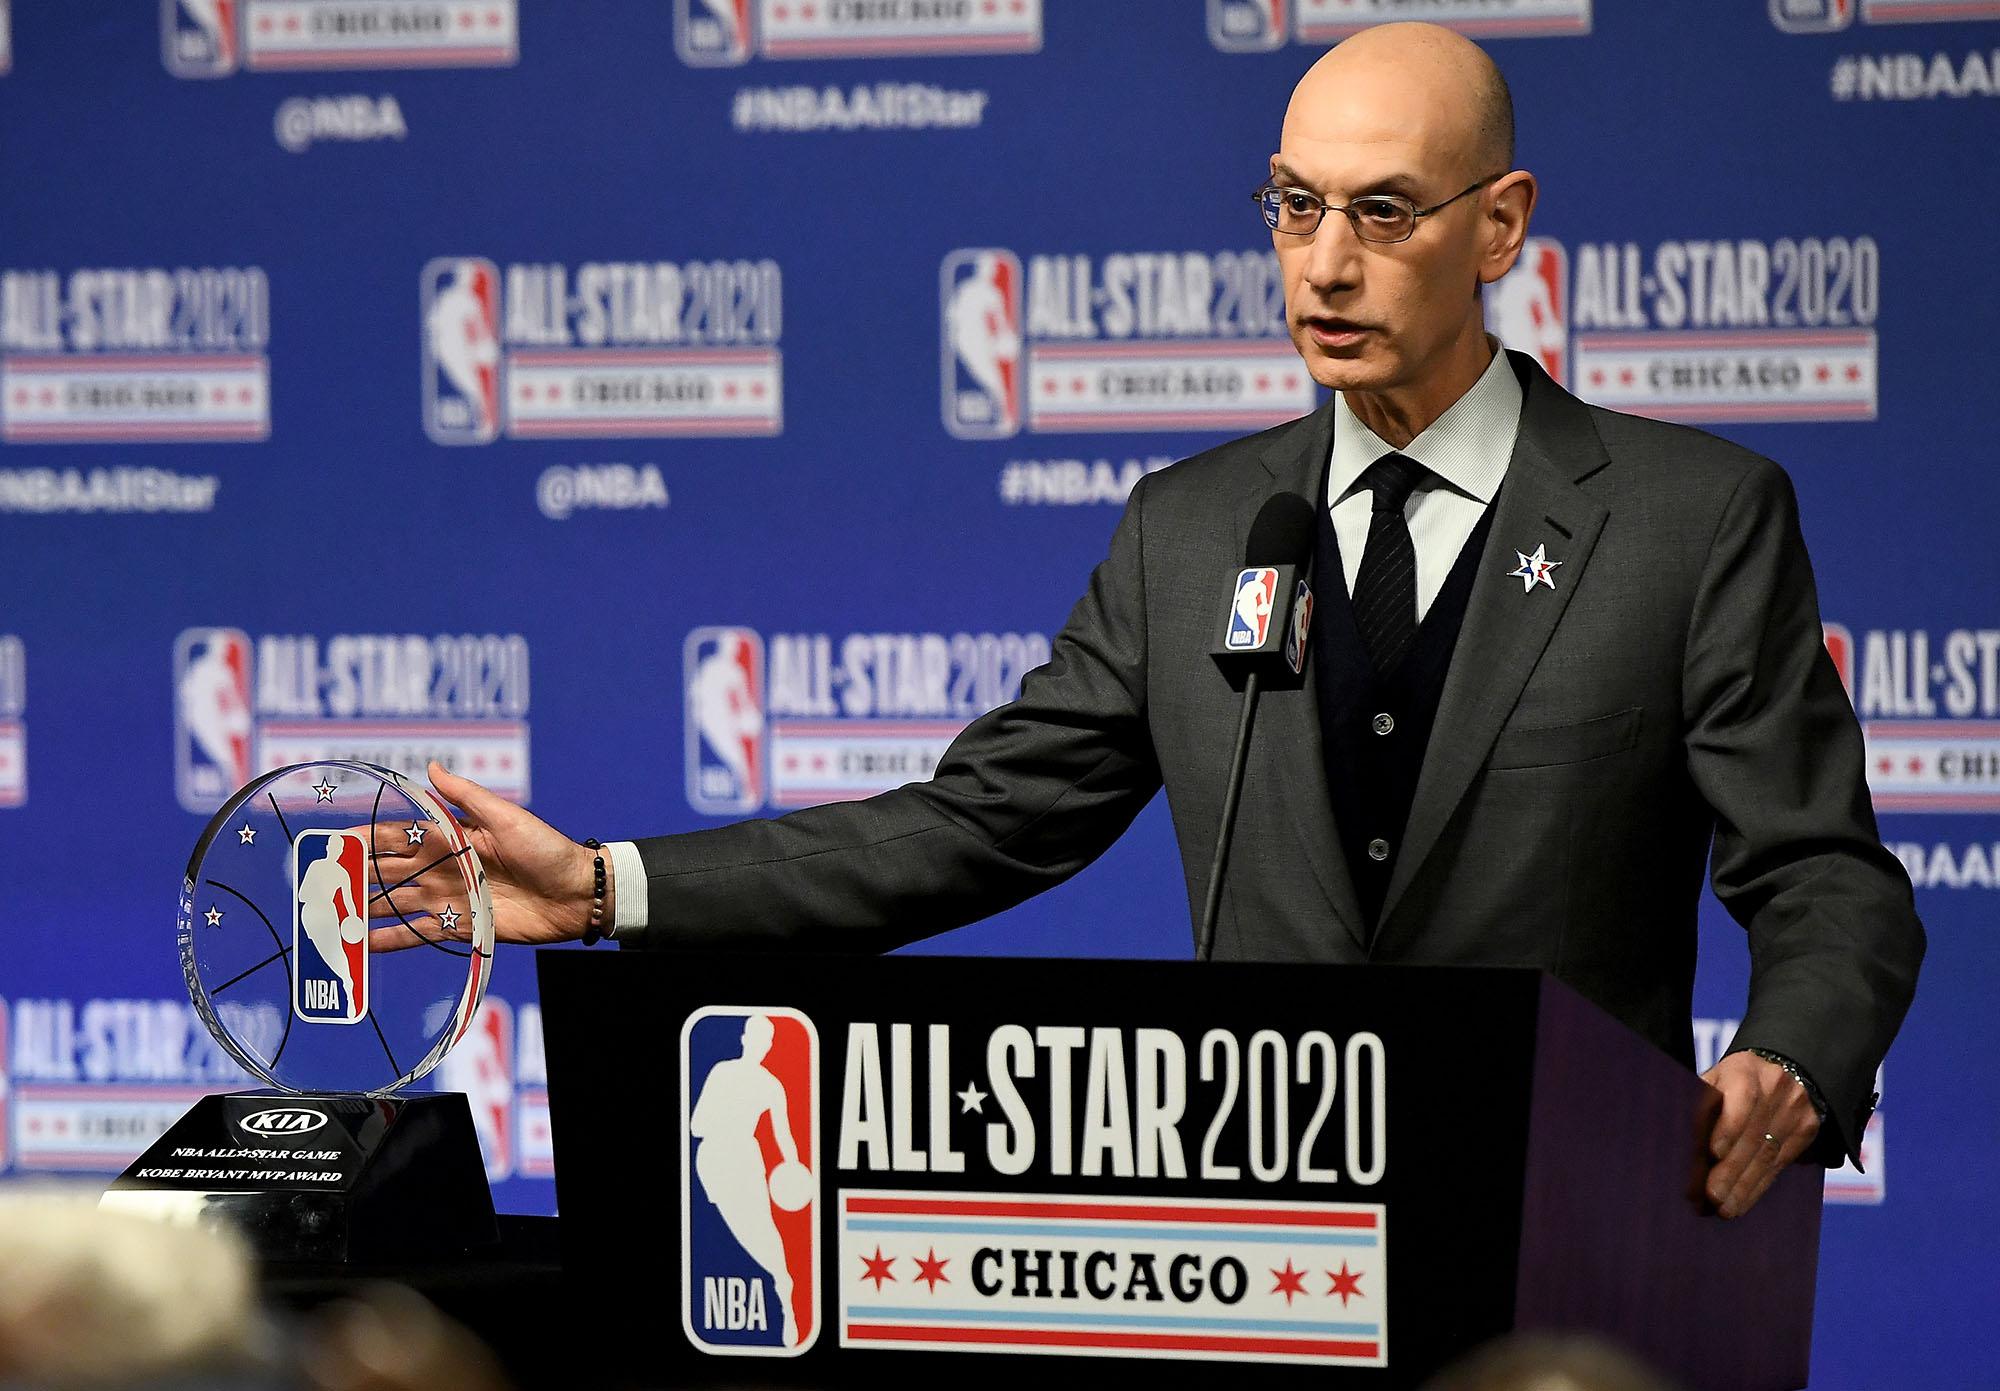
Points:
[[1379, 217]]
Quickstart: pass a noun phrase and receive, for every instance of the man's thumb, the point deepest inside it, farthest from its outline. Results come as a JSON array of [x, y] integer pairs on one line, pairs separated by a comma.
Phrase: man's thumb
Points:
[[463, 793]]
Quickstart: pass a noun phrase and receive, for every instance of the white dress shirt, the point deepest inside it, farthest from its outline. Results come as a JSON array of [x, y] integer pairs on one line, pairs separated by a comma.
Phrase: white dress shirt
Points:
[[1466, 450]]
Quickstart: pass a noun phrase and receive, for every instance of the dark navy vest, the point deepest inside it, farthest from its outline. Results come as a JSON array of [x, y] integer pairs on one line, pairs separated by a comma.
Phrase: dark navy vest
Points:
[[1374, 732]]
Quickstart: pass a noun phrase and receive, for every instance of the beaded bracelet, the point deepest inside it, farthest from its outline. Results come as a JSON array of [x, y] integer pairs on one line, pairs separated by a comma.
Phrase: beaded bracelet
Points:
[[594, 933]]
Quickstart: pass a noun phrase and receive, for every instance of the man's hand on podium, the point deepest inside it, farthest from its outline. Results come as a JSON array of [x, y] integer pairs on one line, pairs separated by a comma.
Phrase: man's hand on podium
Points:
[[1767, 1121], [539, 879]]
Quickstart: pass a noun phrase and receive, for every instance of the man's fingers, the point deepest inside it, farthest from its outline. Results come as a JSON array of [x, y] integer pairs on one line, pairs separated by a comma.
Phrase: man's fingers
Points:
[[474, 803]]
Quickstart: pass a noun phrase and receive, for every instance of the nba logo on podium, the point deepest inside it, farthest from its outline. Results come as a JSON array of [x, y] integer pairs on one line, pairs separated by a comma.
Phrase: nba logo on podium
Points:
[[750, 1181], [198, 37], [1529, 307], [330, 927], [1250, 615], [712, 33], [461, 307], [979, 292], [724, 671], [212, 721]]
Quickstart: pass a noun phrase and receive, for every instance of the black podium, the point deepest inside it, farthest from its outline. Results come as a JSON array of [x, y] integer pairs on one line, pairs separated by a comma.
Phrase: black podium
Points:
[[834, 1171]]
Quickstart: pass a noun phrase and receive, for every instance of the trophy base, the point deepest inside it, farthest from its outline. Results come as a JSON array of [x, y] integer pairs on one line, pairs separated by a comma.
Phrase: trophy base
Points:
[[322, 1177]]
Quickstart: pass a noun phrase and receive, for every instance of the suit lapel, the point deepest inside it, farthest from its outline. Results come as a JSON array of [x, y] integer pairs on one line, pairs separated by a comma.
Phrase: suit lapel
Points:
[[1505, 628], [1288, 730]]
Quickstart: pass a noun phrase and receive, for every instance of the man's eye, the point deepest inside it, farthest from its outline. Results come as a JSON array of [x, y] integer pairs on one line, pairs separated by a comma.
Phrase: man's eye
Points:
[[1378, 209], [1300, 203]]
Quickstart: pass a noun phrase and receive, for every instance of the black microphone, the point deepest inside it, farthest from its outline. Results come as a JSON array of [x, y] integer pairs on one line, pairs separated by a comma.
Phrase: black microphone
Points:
[[1263, 634]]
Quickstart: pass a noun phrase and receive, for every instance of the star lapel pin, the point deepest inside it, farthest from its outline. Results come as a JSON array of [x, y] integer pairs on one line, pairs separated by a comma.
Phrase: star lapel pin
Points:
[[1534, 569]]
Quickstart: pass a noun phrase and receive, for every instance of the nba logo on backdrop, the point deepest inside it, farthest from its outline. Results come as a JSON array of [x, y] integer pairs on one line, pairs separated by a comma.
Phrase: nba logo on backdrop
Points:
[[1528, 308], [1812, 16], [330, 927], [750, 1181], [1246, 26], [980, 298], [212, 724], [724, 671], [713, 33], [198, 37], [461, 331], [1250, 615], [481, 1065]]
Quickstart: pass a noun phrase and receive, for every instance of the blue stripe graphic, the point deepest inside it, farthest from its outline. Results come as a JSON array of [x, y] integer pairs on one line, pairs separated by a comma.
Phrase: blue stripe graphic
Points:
[[864, 1313], [1260, 1235]]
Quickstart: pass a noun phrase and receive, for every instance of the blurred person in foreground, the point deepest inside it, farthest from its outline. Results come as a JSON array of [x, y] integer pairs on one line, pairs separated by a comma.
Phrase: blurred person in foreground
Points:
[[1549, 1362], [1562, 659]]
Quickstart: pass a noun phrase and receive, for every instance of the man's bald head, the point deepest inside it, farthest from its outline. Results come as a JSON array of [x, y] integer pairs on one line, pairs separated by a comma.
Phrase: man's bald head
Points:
[[1401, 68]]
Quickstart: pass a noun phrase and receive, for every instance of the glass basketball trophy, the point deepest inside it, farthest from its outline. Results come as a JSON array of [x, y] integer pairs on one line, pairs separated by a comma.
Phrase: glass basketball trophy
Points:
[[337, 938]]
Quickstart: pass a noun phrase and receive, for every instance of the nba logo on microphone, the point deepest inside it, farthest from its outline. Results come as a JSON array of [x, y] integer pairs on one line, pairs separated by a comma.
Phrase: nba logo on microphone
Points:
[[1246, 26], [198, 38], [979, 294], [330, 927], [1529, 305], [712, 33], [750, 1181], [1250, 614], [461, 331], [212, 727], [724, 673]]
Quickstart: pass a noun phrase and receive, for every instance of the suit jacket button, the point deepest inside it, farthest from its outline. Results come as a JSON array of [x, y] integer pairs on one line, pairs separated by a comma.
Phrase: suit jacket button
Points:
[[1378, 849], [1384, 723]]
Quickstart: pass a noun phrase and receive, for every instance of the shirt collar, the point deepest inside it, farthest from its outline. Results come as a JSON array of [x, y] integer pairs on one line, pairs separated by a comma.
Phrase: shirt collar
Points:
[[1468, 446]]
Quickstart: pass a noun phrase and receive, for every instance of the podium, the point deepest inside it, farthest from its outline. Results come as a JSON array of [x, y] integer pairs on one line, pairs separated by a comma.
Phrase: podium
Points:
[[811, 1171]]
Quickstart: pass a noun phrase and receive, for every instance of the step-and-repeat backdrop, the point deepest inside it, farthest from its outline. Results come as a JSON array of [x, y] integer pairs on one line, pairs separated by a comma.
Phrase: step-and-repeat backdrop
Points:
[[667, 411]]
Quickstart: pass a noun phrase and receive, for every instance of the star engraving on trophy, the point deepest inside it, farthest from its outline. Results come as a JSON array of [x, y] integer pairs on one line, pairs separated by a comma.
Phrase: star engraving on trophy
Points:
[[246, 835], [323, 790], [416, 833], [448, 919], [213, 917]]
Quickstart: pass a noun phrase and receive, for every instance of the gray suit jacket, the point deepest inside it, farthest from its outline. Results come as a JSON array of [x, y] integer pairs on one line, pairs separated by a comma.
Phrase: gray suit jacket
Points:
[[1671, 693]]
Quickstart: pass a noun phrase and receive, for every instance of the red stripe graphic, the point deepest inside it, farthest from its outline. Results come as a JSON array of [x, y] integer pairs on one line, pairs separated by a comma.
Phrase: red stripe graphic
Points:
[[1143, 1212], [1077, 1338]]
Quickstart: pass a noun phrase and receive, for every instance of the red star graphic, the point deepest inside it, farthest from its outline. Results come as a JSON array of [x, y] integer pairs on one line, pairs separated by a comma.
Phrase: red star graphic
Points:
[[218, 395], [1853, 372], [1823, 372], [1076, 385], [781, 14], [1290, 1282], [1597, 376], [20, 398], [245, 395], [931, 1270], [1049, 386], [1625, 377], [1291, 383], [48, 396], [1263, 383], [493, 19], [291, 24], [757, 389], [263, 24], [729, 391], [1346, 1283], [527, 392], [878, 1267], [989, 7], [1916, 765], [464, 20], [1884, 765]]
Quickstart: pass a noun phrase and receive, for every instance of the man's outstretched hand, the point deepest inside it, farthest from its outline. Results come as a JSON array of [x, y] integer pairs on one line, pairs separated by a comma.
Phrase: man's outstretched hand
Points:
[[1766, 1122], [539, 879]]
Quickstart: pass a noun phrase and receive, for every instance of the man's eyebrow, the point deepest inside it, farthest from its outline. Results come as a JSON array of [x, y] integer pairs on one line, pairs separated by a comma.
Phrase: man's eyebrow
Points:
[[1401, 185]]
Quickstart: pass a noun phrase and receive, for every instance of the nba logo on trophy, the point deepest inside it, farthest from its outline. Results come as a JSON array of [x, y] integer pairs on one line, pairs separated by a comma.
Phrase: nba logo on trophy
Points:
[[330, 927], [1530, 305], [980, 296], [713, 33], [750, 1181], [724, 673], [461, 307], [198, 37], [1246, 26], [1250, 615], [212, 730]]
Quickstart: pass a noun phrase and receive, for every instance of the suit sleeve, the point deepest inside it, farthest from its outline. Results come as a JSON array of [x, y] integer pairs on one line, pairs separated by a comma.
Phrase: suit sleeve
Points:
[[1774, 747], [1026, 796]]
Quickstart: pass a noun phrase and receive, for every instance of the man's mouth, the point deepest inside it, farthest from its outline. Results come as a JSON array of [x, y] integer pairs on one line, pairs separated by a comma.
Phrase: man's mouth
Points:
[[1333, 331]]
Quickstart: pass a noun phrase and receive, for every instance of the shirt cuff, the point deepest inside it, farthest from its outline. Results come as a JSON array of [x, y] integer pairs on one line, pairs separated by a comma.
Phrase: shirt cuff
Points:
[[628, 871]]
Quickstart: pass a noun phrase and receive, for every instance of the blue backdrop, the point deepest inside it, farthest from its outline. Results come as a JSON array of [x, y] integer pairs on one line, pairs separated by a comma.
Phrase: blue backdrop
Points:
[[667, 410]]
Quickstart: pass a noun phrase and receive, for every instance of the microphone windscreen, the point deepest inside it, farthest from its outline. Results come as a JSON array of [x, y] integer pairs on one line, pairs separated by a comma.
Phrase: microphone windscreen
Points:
[[1282, 533]]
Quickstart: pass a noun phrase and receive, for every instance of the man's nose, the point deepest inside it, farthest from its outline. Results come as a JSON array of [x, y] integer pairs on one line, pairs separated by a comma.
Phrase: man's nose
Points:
[[1333, 256]]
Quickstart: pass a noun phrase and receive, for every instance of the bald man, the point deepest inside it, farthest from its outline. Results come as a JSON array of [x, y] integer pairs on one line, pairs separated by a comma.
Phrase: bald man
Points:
[[1559, 655]]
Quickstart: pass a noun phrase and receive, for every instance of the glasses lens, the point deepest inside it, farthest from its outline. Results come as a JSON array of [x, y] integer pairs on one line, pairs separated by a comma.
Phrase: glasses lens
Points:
[[1383, 219], [1291, 210]]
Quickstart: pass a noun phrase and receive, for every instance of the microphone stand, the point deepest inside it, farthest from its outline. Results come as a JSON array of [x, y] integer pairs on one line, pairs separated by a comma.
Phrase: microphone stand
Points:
[[1232, 794]]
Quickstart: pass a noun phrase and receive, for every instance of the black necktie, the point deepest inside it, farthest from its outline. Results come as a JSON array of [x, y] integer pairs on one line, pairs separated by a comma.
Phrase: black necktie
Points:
[[1385, 589]]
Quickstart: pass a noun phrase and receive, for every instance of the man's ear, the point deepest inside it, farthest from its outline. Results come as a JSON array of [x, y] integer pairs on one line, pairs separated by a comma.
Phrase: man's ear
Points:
[[1508, 208]]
